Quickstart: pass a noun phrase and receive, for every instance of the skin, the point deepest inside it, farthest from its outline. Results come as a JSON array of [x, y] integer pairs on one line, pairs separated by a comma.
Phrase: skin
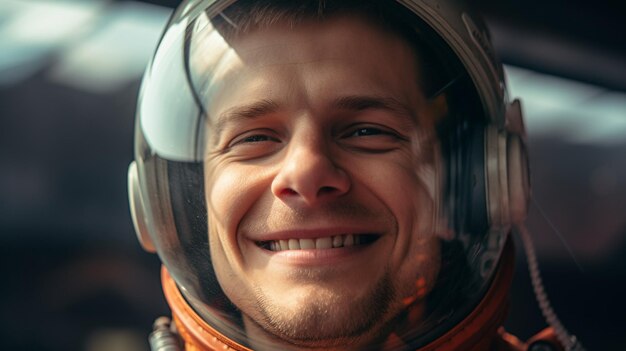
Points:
[[315, 132]]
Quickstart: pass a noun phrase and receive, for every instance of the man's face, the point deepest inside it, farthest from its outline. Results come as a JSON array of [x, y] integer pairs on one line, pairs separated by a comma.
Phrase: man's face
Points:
[[320, 182]]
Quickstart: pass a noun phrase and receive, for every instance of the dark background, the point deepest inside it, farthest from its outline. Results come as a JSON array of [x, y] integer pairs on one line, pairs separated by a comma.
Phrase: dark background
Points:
[[73, 274]]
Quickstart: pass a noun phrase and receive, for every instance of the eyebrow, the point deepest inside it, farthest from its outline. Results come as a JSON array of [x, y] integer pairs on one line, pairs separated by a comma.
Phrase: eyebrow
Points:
[[366, 102], [245, 112], [350, 103]]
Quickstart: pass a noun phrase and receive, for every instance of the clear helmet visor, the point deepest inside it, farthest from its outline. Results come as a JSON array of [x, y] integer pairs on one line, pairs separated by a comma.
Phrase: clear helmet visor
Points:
[[314, 175]]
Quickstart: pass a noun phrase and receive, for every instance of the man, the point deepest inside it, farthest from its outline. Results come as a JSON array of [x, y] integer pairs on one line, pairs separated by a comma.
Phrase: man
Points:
[[320, 176]]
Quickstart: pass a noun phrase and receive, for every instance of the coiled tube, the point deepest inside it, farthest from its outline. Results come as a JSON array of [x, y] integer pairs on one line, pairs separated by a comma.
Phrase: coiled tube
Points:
[[570, 342]]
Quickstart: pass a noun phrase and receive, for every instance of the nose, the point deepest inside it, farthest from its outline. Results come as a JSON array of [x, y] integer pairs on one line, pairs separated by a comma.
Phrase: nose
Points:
[[308, 174]]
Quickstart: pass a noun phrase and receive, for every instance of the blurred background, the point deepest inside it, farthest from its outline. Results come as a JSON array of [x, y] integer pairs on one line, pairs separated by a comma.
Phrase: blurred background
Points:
[[73, 274]]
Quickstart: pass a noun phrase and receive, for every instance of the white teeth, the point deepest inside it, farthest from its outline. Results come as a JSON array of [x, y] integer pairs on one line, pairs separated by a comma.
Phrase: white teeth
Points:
[[284, 245], [324, 243], [349, 241], [307, 244], [329, 242], [338, 241], [294, 244]]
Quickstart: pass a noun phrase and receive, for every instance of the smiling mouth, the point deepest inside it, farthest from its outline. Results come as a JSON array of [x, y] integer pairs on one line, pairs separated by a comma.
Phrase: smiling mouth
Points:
[[324, 243]]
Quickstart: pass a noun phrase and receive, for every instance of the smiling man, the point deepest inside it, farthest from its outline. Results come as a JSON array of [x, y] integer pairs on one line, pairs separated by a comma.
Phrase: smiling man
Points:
[[329, 175], [308, 237]]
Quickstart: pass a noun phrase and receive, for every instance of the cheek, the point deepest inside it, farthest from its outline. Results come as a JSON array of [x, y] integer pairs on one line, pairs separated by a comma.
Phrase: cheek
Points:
[[417, 253], [221, 217], [407, 190], [231, 191], [221, 187], [228, 271], [419, 270]]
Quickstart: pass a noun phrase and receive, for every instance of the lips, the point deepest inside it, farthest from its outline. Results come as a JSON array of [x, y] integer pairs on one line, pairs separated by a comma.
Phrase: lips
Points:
[[319, 243]]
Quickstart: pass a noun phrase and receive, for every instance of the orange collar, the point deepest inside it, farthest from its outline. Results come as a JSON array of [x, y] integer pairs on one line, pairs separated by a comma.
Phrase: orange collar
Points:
[[476, 332]]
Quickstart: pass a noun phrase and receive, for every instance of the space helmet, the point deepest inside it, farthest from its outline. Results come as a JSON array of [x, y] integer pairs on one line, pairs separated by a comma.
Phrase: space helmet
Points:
[[242, 97]]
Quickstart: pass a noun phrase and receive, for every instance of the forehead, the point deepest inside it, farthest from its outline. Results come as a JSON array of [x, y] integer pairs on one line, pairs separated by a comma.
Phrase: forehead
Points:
[[315, 60], [332, 35]]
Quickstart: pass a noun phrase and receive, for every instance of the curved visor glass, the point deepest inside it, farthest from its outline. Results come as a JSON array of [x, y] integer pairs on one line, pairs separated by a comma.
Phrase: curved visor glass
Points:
[[309, 173]]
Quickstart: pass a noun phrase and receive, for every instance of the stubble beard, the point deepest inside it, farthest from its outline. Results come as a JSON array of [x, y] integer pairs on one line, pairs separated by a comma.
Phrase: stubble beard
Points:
[[330, 319]]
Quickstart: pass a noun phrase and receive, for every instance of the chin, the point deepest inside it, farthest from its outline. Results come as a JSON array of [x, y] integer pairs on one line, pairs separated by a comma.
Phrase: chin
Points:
[[325, 318]]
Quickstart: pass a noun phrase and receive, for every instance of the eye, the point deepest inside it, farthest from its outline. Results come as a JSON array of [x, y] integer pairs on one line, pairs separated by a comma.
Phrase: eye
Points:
[[373, 131], [254, 144], [368, 131], [257, 138], [372, 138], [253, 137]]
